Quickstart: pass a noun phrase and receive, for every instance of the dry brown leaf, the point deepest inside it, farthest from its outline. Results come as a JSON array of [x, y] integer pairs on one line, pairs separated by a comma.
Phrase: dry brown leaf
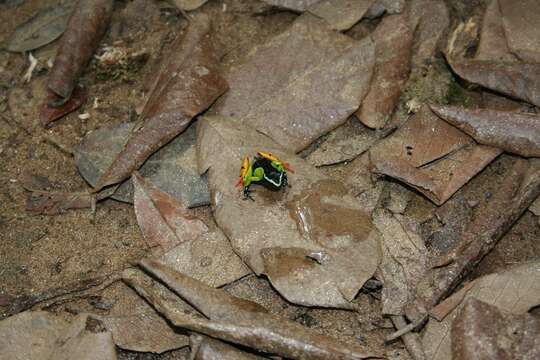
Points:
[[404, 260], [41, 335], [313, 240], [517, 133], [380, 7], [212, 349], [514, 291], [492, 45], [393, 42], [520, 20], [187, 83], [300, 84], [189, 5], [430, 155], [295, 5], [182, 240], [518, 80], [340, 14]]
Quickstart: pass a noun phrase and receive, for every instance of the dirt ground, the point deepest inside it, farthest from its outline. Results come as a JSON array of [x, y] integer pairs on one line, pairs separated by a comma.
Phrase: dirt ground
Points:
[[39, 253]]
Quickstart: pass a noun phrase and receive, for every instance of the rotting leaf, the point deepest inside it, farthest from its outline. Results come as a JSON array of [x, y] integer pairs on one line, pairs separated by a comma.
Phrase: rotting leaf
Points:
[[502, 335], [340, 14], [517, 133], [173, 168], [430, 155], [515, 79], [493, 45], [343, 144], [241, 321], [85, 29], [44, 27], [520, 19], [135, 325], [300, 84], [31, 335], [393, 42], [182, 240], [513, 291], [313, 240], [404, 260], [187, 83]]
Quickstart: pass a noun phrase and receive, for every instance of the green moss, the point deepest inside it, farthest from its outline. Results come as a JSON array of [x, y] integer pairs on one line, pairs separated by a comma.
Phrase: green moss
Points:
[[457, 95]]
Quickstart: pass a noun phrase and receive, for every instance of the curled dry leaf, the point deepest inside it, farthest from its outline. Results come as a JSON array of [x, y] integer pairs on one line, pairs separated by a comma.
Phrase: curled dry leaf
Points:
[[518, 80], [517, 133], [313, 240], [430, 155], [513, 291], [299, 85], [44, 27], [187, 83], [241, 321], [341, 14], [404, 260], [182, 240], [172, 168], [393, 42], [502, 335], [492, 45], [520, 19], [85, 29], [39, 334]]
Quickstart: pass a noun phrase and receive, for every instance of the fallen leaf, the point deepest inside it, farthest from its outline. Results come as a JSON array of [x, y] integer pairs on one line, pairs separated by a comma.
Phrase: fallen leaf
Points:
[[295, 5], [241, 321], [343, 144], [85, 28], [189, 5], [513, 291], [135, 325], [430, 155], [429, 20], [42, 28], [212, 349], [517, 133], [519, 19], [187, 83], [404, 260], [182, 240], [172, 168], [300, 84], [493, 45], [393, 42], [30, 334], [340, 14], [313, 240], [518, 80], [49, 114], [381, 7], [54, 203], [501, 335]]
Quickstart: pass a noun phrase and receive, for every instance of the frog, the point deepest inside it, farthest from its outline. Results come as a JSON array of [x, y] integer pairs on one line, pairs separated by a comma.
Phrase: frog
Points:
[[265, 170]]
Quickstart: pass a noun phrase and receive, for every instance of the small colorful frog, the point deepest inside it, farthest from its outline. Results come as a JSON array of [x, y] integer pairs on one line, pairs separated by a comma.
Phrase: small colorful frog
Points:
[[266, 170]]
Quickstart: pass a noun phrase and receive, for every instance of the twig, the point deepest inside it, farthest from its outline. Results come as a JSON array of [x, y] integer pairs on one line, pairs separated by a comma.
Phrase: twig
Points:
[[411, 340]]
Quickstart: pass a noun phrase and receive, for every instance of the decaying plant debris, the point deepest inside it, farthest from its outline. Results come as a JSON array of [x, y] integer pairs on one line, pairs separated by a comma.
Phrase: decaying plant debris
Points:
[[400, 212]]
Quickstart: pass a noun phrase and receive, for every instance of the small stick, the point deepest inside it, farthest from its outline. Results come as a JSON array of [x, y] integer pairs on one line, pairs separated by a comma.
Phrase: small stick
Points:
[[411, 340]]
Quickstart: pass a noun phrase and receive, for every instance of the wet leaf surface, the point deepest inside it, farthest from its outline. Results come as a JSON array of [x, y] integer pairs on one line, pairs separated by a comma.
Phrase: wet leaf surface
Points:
[[308, 239], [517, 133], [340, 14], [240, 321], [25, 335], [393, 42], [519, 20], [433, 157], [172, 168], [502, 336], [85, 28], [44, 27], [296, 99], [493, 45], [517, 80], [404, 260], [187, 83], [136, 326], [513, 291], [182, 240]]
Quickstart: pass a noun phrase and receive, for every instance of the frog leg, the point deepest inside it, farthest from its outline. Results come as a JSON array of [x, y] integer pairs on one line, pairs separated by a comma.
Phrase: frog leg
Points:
[[252, 176]]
